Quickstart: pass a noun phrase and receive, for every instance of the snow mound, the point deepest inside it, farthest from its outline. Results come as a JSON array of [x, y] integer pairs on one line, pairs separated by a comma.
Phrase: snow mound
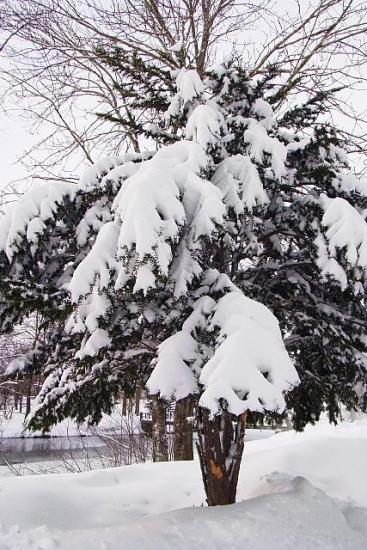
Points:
[[134, 507], [304, 517], [34, 539]]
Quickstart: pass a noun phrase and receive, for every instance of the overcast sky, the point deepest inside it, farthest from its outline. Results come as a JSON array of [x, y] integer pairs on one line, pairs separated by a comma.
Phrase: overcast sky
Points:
[[14, 139]]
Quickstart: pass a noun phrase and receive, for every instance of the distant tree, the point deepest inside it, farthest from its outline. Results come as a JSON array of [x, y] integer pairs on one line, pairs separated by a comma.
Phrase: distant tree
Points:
[[15, 394]]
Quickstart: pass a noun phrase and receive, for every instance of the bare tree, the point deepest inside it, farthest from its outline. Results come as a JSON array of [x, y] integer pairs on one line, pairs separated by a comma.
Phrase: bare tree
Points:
[[15, 394], [317, 45], [54, 74]]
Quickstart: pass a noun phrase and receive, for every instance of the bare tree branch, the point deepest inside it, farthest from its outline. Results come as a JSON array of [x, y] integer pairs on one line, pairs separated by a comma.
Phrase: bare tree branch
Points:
[[54, 75]]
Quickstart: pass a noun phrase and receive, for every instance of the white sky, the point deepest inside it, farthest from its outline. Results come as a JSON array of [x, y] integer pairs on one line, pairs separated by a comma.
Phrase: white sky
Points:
[[14, 139]]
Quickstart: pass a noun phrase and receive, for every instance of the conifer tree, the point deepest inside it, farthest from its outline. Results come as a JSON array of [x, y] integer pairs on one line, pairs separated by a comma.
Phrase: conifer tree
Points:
[[182, 267]]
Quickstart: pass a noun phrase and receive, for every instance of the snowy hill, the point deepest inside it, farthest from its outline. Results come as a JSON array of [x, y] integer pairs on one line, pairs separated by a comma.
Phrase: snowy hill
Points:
[[305, 491]]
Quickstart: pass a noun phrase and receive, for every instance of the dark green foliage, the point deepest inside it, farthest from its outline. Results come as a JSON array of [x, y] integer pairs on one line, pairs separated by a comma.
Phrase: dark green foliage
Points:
[[269, 252]]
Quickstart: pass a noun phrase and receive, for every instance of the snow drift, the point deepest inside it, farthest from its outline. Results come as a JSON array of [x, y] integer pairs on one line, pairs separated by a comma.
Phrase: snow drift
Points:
[[303, 491]]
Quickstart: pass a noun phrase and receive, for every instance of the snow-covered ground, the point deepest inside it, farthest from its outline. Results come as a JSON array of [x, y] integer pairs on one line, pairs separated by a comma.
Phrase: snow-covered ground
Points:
[[306, 491]]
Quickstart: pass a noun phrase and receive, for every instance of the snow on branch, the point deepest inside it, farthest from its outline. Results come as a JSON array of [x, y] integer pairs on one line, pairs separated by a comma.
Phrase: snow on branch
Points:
[[247, 368], [99, 339], [27, 219], [189, 87], [98, 263], [154, 205], [94, 218], [263, 109], [328, 265], [29, 214], [179, 357], [205, 124], [345, 230], [93, 175], [159, 216], [250, 368], [203, 204], [238, 179], [349, 183], [259, 142]]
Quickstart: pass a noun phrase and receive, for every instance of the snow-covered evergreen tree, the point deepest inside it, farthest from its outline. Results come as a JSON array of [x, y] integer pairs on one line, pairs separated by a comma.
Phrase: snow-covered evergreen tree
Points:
[[168, 267]]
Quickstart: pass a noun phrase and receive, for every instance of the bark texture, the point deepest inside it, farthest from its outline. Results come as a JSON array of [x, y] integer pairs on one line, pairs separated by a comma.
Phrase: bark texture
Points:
[[183, 429], [137, 400], [159, 431], [220, 448]]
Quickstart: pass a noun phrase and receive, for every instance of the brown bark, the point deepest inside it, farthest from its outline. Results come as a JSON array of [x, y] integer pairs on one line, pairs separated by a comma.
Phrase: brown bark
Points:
[[137, 400], [159, 431], [220, 450], [124, 404], [183, 446], [28, 398]]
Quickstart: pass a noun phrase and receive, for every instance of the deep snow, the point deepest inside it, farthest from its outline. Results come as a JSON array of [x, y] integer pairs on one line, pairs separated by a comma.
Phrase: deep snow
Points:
[[305, 491]]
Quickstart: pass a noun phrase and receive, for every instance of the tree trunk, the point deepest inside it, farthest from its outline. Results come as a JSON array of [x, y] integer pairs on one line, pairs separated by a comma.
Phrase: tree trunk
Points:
[[124, 404], [28, 398], [220, 450], [137, 400], [183, 447], [159, 432]]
